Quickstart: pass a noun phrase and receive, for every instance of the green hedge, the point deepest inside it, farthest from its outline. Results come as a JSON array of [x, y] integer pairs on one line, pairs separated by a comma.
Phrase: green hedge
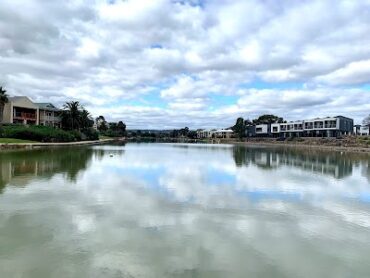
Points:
[[46, 134]]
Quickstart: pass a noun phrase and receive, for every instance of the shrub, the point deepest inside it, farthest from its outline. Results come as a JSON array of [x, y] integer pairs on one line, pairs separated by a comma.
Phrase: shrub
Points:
[[90, 134], [37, 133]]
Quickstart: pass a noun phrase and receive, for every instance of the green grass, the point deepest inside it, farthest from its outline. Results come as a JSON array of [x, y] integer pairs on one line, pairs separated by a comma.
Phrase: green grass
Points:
[[102, 137], [15, 141]]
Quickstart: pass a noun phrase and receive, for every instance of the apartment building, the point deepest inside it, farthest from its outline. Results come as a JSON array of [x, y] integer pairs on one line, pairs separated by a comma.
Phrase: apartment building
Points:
[[21, 110], [319, 127], [215, 133], [49, 115], [202, 133], [223, 133]]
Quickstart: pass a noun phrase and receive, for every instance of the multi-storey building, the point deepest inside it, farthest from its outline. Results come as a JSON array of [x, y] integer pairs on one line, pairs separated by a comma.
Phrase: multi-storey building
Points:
[[319, 127], [21, 110], [49, 115]]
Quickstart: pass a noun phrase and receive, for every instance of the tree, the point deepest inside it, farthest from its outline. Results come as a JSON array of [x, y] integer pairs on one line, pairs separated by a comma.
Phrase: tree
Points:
[[121, 128], [248, 122], [192, 134], [3, 99], [268, 119], [101, 124], [366, 121], [184, 132], [239, 127], [71, 115], [86, 120]]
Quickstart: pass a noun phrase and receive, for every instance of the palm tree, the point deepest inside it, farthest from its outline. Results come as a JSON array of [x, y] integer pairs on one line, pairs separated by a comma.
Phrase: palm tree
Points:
[[3, 99], [71, 115], [85, 119]]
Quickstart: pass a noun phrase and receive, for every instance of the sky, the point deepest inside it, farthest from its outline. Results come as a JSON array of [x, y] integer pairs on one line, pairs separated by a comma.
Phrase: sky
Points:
[[163, 64]]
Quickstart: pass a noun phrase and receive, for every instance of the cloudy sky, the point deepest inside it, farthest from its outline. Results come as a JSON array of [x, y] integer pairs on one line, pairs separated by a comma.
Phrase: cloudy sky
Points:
[[196, 63]]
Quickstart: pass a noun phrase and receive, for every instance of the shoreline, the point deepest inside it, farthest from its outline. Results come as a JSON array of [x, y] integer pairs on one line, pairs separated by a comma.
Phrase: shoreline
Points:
[[6, 146], [337, 145], [350, 149], [308, 144]]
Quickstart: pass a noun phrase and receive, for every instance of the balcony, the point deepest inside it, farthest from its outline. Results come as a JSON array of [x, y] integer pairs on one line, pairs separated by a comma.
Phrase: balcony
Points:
[[25, 116]]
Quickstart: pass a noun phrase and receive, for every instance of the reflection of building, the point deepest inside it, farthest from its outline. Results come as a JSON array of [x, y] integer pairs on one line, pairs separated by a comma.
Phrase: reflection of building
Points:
[[21, 167], [333, 164]]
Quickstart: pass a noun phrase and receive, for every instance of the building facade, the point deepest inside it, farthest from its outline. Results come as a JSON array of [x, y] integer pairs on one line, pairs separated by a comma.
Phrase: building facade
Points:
[[49, 115], [319, 127], [215, 133], [21, 110]]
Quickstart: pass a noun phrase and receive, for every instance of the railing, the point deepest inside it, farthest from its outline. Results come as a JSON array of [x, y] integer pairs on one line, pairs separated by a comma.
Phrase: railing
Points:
[[23, 115], [50, 118]]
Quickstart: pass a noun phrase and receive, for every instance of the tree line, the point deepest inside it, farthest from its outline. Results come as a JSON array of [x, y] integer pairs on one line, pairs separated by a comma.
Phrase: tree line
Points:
[[110, 129], [241, 125]]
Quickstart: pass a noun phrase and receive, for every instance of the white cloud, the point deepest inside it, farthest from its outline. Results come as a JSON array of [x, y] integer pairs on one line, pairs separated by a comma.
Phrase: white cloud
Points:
[[105, 54], [353, 73]]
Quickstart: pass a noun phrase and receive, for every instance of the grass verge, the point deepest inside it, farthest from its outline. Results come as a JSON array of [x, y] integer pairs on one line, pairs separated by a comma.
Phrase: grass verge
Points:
[[15, 141]]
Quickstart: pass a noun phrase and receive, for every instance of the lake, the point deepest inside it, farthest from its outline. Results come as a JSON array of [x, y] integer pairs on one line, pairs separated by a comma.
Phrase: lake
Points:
[[184, 210]]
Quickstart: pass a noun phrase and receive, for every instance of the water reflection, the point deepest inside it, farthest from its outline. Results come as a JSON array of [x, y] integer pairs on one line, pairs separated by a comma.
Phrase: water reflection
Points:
[[20, 167], [335, 164], [164, 210]]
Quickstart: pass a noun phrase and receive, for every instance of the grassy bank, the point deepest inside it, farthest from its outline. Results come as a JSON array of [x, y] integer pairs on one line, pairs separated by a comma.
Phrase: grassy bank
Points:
[[15, 141]]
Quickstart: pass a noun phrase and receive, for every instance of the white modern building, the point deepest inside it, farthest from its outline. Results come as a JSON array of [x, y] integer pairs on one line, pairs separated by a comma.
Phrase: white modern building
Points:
[[215, 133], [319, 127], [223, 133], [364, 130]]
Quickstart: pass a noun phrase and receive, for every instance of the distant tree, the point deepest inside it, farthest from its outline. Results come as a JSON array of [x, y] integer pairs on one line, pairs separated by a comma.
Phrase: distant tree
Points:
[[113, 126], [3, 100], [268, 119], [192, 134], [101, 124], [184, 132], [100, 118], [239, 127], [121, 128], [366, 121], [248, 122], [174, 133]]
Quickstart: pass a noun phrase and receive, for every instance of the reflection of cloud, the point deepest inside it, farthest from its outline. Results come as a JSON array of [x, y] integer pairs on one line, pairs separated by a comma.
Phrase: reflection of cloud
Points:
[[114, 223]]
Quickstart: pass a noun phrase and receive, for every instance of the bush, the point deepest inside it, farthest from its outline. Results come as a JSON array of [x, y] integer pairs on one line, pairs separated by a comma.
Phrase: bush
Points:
[[46, 133], [90, 134], [113, 133], [37, 133]]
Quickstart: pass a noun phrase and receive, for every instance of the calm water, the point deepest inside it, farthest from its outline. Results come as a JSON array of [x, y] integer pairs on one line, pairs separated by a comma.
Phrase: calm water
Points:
[[172, 210]]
